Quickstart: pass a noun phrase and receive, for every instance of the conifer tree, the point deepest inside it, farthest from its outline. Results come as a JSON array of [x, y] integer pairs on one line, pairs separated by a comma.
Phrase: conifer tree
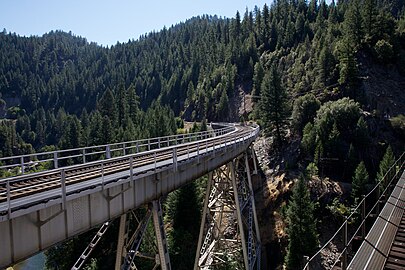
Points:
[[273, 105], [301, 226], [369, 19], [184, 212], [359, 181], [133, 104], [107, 106], [348, 66], [122, 104], [386, 163], [258, 75], [352, 24]]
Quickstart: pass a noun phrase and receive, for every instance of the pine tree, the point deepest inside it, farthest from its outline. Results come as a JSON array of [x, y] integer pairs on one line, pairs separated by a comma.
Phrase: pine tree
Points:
[[303, 239], [359, 181], [348, 66], [122, 104], [223, 106], [133, 103], [386, 163], [184, 212], [352, 24], [107, 106], [258, 75], [369, 16], [273, 105]]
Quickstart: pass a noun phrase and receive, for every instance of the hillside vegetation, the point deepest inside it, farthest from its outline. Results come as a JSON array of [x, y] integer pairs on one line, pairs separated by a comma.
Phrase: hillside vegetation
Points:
[[328, 79]]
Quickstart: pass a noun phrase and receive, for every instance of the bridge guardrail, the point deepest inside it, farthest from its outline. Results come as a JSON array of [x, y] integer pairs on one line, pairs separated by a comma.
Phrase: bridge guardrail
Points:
[[200, 147], [90, 153], [352, 228]]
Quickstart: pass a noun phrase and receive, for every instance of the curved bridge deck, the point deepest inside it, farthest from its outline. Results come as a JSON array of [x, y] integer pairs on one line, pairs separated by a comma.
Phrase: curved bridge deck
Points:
[[72, 200]]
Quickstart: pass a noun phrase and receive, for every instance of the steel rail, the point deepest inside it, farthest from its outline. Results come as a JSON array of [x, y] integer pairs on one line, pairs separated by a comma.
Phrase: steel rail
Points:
[[28, 160]]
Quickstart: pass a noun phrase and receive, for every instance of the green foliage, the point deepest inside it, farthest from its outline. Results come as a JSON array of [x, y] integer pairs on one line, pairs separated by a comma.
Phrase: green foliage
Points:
[[273, 105], [14, 112], [134, 90], [338, 209], [311, 170], [336, 121], [352, 24], [183, 211], [303, 239], [398, 124], [308, 139], [359, 181], [257, 78], [386, 163], [369, 19], [348, 70], [384, 51], [304, 111]]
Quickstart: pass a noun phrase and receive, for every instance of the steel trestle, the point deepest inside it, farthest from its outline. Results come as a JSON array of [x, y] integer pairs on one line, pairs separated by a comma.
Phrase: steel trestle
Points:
[[229, 233]]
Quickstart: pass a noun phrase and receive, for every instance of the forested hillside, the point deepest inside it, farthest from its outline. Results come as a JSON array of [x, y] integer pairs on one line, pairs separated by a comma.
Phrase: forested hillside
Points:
[[328, 78]]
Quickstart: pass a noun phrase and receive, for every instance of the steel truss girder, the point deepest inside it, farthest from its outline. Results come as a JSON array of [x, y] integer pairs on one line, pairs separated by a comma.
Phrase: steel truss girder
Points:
[[229, 226], [129, 248]]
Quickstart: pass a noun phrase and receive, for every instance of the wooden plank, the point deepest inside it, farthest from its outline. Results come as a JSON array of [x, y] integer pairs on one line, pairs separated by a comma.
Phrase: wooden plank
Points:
[[390, 266]]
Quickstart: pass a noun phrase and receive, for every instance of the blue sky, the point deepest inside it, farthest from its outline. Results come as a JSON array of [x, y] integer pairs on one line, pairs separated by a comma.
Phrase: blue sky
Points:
[[107, 22]]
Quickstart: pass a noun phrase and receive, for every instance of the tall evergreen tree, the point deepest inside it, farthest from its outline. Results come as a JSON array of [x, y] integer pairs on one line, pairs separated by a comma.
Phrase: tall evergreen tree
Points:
[[273, 105], [122, 104], [359, 181], [184, 212], [301, 226], [107, 106], [258, 75], [348, 67], [386, 163], [353, 25], [369, 19]]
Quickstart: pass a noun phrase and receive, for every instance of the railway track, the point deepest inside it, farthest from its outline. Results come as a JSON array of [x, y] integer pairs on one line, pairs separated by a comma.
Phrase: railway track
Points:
[[27, 185]]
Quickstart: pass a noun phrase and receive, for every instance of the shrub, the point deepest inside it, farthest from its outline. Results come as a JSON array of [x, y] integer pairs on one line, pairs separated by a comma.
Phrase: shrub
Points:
[[304, 111], [384, 51]]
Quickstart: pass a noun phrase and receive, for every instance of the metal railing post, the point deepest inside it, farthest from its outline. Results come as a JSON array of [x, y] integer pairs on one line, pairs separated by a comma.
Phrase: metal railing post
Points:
[[124, 150], [198, 152], [148, 144], [175, 159], [102, 174], [63, 185], [363, 217], [84, 155], [213, 147], [377, 209], [344, 254], [159, 143], [55, 160], [22, 165], [107, 152], [131, 168], [154, 160], [137, 147], [8, 199]]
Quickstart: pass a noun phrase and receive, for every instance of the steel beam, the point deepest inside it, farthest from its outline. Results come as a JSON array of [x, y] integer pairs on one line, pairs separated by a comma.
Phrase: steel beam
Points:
[[229, 232], [122, 236]]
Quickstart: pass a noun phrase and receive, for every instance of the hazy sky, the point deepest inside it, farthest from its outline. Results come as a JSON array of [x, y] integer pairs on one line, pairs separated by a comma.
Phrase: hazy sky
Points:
[[107, 22]]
